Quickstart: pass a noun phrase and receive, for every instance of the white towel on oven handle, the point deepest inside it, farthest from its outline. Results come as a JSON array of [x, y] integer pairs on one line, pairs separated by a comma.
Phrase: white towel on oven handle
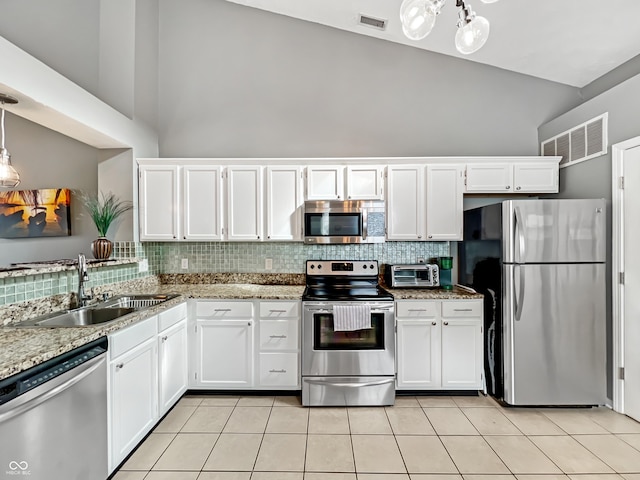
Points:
[[347, 318]]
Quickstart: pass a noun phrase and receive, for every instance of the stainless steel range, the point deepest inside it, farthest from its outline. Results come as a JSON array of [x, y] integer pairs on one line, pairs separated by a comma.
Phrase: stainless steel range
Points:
[[348, 336]]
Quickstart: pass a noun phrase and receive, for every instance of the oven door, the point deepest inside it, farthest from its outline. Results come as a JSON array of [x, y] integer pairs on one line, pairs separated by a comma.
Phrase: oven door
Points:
[[367, 352]]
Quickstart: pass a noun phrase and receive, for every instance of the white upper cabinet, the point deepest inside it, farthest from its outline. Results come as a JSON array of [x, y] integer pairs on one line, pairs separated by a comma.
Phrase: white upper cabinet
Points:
[[444, 202], [159, 202], [284, 202], [489, 178], [202, 212], [244, 203], [538, 176], [535, 177], [365, 182], [405, 205], [325, 182]]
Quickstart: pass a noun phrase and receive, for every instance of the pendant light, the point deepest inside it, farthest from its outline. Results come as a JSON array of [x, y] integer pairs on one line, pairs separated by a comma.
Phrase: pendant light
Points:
[[9, 178], [418, 17]]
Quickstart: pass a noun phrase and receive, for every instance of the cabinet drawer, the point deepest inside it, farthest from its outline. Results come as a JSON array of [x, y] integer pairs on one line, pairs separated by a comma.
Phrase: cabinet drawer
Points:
[[279, 334], [279, 369], [172, 316], [224, 309], [471, 308], [409, 309], [279, 309], [130, 337]]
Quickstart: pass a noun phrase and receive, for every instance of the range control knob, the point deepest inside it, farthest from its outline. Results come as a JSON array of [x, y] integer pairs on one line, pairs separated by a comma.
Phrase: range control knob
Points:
[[371, 267], [364, 266], [312, 266], [319, 267]]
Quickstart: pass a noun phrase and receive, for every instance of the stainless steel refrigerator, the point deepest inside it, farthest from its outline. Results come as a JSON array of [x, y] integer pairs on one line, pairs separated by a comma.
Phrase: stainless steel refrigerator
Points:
[[541, 265]]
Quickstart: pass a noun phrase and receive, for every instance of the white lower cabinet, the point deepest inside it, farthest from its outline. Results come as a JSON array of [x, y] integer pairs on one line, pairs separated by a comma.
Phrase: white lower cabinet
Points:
[[133, 387], [148, 371], [439, 344], [173, 368], [246, 344]]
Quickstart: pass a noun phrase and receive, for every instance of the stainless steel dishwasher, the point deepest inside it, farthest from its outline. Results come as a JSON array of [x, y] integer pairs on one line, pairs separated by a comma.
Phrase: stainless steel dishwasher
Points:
[[53, 418]]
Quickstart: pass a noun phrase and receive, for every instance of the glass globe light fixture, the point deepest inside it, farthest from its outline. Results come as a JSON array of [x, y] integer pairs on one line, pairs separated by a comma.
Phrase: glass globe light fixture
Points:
[[473, 31], [9, 178], [417, 18]]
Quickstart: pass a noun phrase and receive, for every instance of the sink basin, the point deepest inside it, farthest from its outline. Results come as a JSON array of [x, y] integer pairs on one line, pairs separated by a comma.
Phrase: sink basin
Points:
[[135, 301], [79, 318], [100, 313]]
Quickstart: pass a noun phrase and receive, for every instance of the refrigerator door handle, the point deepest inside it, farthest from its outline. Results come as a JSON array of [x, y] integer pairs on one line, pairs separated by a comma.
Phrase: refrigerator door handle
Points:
[[519, 298], [519, 228]]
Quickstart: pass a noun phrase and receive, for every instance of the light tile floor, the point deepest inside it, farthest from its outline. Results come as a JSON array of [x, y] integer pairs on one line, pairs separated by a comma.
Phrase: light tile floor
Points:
[[420, 438]]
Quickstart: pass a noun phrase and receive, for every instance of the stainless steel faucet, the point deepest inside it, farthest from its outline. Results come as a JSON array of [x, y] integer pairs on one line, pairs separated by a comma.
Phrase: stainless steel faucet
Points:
[[83, 276]]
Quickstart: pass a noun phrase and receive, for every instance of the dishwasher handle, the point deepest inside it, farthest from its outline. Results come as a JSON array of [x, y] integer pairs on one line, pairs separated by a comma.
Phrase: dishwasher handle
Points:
[[50, 389]]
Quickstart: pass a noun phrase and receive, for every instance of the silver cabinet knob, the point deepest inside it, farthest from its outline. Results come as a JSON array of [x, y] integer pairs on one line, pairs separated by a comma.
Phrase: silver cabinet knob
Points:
[[518, 188], [445, 323], [508, 187], [430, 236], [433, 323], [419, 236]]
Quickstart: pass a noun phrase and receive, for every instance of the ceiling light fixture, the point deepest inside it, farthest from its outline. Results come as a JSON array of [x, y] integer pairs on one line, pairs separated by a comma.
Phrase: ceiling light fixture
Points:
[[419, 16], [9, 178]]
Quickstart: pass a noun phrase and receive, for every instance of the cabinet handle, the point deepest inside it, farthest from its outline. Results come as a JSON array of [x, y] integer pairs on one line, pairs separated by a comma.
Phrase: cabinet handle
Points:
[[277, 336], [164, 339], [349, 197], [445, 323], [277, 371], [508, 187], [119, 366], [174, 236], [462, 310], [430, 236], [277, 311], [518, 188], [433, 323], [185, 237], [222, 310], [268, 237], [249, 323], [338, 196], [417, 309], [419, 236]]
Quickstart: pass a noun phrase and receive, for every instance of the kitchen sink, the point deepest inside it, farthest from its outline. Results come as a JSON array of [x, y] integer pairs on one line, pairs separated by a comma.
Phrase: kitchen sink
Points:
[[100, 313]]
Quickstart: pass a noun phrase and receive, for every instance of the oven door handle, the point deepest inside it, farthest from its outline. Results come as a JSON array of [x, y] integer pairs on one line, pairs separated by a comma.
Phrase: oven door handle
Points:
[[329, 310], [350, 385]]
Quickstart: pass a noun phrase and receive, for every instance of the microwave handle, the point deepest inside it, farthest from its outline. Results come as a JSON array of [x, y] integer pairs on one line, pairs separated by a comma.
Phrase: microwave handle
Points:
[[365, 224]]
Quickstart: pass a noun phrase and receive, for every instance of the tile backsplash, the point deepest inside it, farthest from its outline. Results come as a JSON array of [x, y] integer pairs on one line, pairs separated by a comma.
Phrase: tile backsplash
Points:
[[212, 257]]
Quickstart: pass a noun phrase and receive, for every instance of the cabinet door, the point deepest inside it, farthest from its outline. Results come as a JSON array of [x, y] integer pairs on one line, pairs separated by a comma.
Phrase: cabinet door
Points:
[[365, 183], [489, 178], [325, 182], [283, 204], [224, 353], [244, 203], [444, 202], [202, 207], [172, 365], [159, 202], [418, 353], [405, 202], [462, 354], [133, 398], [535, 177]]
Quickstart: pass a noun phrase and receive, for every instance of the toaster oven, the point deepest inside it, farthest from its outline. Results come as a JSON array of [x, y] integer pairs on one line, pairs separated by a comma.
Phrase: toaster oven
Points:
[[412, 276]]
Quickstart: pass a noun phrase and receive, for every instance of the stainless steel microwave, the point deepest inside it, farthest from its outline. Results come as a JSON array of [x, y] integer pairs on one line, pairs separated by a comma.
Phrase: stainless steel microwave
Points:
[[333, 221], [416, 276]]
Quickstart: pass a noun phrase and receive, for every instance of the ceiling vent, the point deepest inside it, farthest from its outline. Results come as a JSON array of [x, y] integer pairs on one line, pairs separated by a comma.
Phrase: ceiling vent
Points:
[[586, 141], [378, 23]]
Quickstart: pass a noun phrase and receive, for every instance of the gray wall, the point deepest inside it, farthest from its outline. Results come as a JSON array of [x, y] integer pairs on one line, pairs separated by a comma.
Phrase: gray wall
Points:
[[592, 178], [64, 34], [52, 161], [237, 81]]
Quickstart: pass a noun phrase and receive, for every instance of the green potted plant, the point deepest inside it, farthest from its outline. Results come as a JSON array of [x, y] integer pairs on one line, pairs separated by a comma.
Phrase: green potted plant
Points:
[[104, 209]]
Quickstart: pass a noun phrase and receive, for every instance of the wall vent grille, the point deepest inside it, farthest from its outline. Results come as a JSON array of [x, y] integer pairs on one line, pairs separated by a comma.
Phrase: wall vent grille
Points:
[[378, 23], [586, 141]]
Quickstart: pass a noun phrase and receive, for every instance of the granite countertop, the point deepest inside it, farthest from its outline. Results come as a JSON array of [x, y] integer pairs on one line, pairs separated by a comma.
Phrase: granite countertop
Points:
[[433, 294], [22, 348]]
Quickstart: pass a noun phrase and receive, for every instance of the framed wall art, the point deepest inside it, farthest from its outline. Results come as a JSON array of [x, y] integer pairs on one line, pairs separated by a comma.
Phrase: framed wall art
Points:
[[35, 213]]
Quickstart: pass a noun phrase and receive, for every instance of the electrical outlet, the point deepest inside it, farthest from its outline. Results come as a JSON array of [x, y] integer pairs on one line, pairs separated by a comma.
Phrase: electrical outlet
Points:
[[185, 263], [143, 266], [268, 263]]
